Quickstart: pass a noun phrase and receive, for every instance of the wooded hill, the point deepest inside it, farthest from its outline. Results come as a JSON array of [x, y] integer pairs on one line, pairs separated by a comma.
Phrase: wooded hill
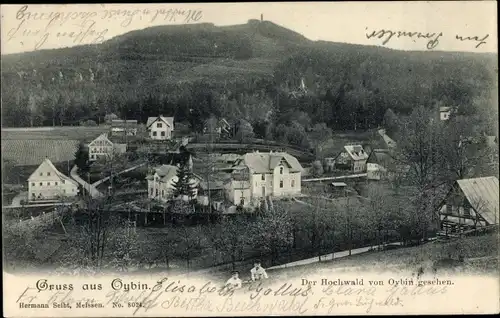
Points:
[[251, 71]]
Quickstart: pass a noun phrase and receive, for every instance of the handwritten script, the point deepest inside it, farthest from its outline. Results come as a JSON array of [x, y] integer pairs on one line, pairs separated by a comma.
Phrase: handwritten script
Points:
[[431, 40], [87, 27], [184, 297]]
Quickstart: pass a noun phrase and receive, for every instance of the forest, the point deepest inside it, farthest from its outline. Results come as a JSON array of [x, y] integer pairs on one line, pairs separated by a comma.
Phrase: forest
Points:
[[259, 72]]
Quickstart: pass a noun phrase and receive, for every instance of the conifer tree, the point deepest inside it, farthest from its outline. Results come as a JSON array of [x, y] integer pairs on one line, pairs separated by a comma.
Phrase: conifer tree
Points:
[[184, 184], [82, 158]]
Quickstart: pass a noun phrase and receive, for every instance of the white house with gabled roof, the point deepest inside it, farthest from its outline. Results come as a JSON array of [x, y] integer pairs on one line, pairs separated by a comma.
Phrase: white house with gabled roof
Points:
[[160, 128], [258, 175], [102, 147], [47, 183], [162, 180], [352, 157]]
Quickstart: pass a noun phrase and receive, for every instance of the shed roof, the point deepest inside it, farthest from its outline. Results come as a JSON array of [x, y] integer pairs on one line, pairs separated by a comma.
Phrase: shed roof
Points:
[[339, 184], [123, 122], [482, 194]]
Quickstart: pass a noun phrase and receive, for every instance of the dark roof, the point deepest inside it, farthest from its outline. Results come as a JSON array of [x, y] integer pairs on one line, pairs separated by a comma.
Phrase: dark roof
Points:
[[123, 122], [381, 157]]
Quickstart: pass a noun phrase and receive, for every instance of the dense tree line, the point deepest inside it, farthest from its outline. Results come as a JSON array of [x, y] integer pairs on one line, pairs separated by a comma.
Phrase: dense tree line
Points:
[[158, 71]]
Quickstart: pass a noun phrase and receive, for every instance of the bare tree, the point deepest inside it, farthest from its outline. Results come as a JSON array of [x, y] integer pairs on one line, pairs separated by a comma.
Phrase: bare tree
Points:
[[190, 242], [273, 231], [234, 237], [420, 150], [381, 209]]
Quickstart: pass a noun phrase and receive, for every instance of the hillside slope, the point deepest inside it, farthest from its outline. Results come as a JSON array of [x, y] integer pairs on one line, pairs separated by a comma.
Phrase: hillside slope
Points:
[[231, 71]]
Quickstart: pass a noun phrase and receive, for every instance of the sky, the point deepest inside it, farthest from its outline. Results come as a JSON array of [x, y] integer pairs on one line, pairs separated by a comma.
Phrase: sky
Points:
[[35, 27]]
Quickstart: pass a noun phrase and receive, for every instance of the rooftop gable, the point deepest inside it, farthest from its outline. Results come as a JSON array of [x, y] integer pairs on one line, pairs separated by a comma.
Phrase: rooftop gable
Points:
[[167, 120], [380, 156], [47, 165], [103, 137], [356, 152], [266, 162], [165, 172]]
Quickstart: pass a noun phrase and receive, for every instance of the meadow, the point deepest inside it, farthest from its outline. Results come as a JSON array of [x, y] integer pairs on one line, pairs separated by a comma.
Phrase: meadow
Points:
[[53, 133]]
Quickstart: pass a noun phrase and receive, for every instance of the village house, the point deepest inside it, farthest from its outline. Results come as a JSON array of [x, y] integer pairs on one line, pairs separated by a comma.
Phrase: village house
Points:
[[378, 164], [470, 204], [161, 183], [123, 127], [258, 175], [108, 118], [220, 127], [213, 189], [160, 128], [47, 183], [102, 147], [353, 158], [444, 113]]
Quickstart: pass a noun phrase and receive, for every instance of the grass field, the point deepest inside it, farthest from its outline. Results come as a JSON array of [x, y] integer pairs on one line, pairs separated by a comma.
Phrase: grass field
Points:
[[31, 145], [480, 254], [31, 152], [64, 132]]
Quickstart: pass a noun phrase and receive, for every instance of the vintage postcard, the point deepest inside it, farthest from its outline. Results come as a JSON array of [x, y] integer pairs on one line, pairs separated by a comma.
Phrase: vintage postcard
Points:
[[236, 159]]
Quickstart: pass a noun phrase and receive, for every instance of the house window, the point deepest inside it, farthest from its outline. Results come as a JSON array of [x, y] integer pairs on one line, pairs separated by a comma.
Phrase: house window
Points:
[[48, 183], [467, 210], [32, 184], [41, 183], [48, 174], [448, 208], [281, 170], [163, 134], [152, 191], [154, 133], [158, 125], [41, 174], [293, 183], [281, 184], [33, 195], [157, 192], [56, 183], [263, 177], [162, 193], [64, 190], [242, 201], [63, 181]]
